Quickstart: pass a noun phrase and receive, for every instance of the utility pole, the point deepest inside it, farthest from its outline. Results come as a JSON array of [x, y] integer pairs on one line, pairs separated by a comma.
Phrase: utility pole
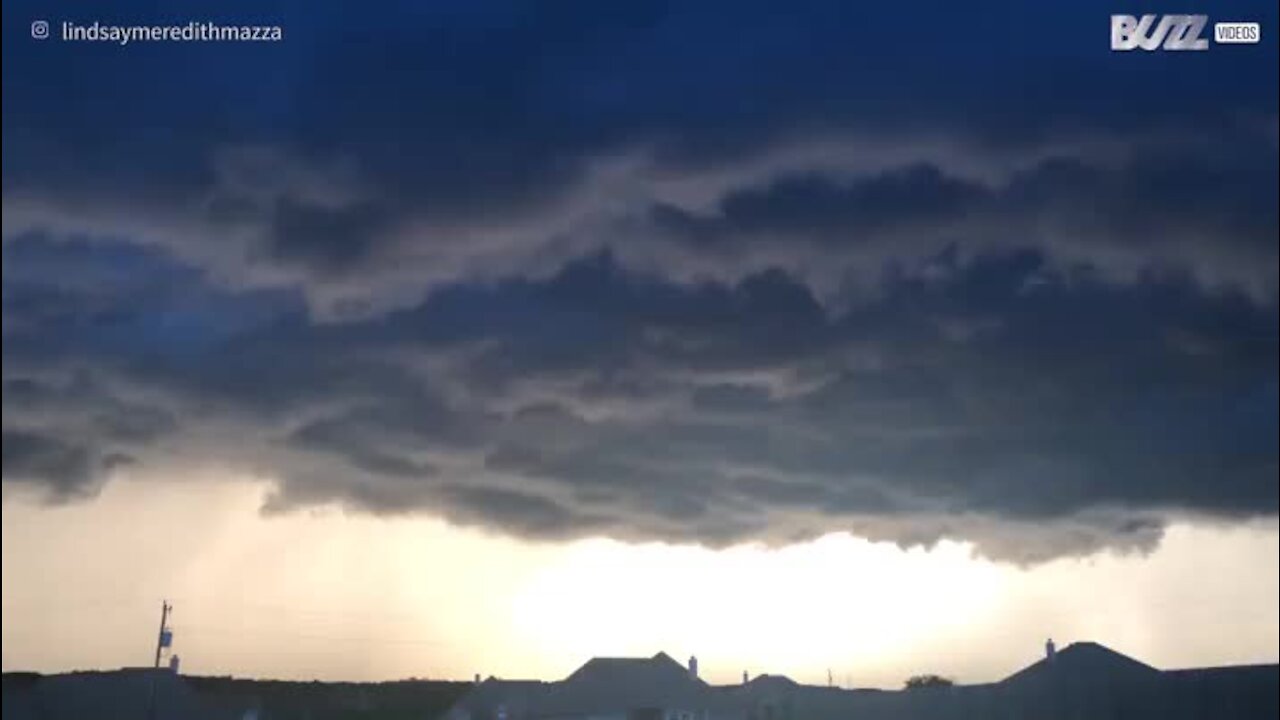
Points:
[[161, 643], [165, 608]]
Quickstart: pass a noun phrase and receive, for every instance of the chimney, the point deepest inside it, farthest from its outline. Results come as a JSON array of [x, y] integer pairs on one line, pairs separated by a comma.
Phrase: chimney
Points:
[[744, 677], [693, 666], [477, 678], [1050, 650]]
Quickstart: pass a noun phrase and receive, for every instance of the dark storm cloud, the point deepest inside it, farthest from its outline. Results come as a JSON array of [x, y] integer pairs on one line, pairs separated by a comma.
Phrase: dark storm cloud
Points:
[[1207, 206], [1071, 403], [322, 238], [675, 271], [443, 121], [65, 470], [528, 515], [913, 194]]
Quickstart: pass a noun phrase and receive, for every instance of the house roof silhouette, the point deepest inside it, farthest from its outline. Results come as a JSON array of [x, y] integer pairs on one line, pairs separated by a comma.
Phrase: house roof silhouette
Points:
[[1084, 663], [772, 681], [659, 669], [604, 683], [1084, 679]]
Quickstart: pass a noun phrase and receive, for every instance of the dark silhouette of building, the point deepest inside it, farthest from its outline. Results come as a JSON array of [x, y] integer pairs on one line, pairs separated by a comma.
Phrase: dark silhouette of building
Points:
[[1083, 681], [655, 688]]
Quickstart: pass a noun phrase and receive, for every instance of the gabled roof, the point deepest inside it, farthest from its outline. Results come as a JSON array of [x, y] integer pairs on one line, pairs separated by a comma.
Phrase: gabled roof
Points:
[[631, 683], [660, 668], [766, 686], [767, 680], [1085, 662]]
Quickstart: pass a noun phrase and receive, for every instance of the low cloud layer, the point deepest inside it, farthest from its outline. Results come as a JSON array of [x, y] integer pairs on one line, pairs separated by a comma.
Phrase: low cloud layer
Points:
[[565, 275]]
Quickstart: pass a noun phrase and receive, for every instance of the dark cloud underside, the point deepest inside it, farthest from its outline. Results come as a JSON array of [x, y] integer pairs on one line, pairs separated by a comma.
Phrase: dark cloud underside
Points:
[[687, 272]]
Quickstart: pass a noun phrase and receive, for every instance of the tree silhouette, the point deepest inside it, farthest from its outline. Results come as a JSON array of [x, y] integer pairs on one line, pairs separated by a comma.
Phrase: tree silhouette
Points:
[[916, 682]]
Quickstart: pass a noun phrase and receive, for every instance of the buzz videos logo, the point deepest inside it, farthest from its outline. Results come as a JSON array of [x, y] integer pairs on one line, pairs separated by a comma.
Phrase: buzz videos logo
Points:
[[1177, 32]]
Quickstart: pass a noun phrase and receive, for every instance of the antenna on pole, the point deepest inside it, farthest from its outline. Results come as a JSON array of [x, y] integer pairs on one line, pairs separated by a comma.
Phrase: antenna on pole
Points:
[[165, 637]]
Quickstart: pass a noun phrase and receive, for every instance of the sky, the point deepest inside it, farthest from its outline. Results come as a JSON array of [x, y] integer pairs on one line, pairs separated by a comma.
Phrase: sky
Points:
[[487, 337]]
